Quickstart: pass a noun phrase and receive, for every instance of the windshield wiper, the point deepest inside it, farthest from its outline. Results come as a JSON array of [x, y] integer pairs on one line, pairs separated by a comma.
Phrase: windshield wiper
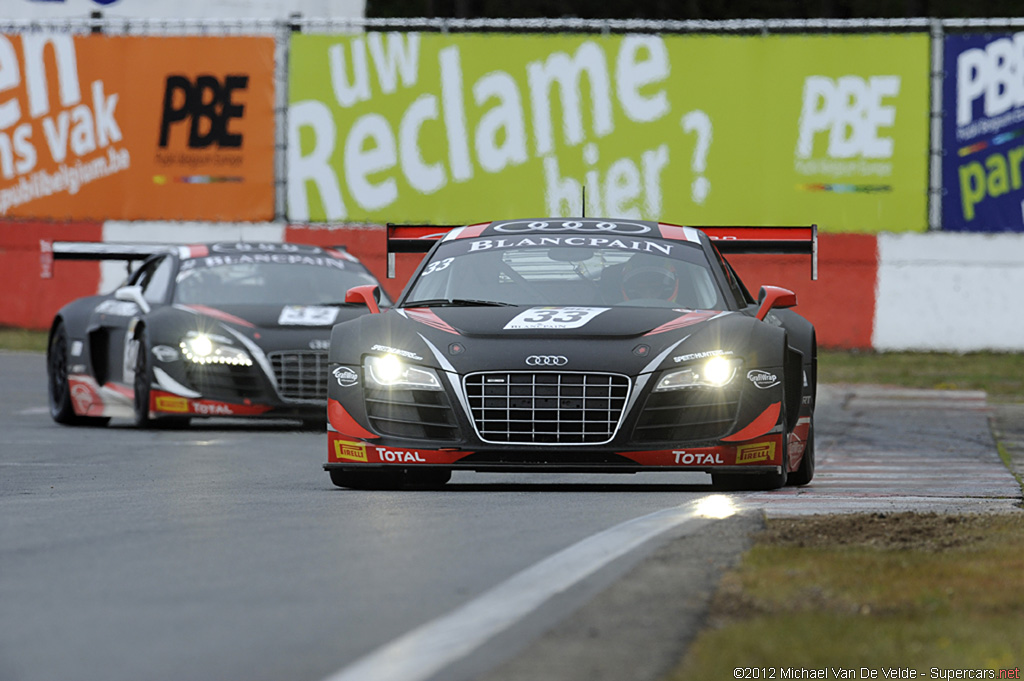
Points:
[[456, 302]]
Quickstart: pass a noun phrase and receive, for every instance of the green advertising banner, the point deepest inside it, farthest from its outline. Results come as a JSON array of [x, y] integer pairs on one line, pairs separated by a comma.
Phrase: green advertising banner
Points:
[[463, 128]]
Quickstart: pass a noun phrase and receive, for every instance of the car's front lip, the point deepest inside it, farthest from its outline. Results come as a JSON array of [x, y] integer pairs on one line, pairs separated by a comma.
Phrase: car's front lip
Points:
[[758, 455]]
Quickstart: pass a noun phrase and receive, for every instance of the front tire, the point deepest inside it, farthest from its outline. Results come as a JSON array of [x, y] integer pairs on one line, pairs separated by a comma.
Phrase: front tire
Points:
[[805, 473], [143, 381]]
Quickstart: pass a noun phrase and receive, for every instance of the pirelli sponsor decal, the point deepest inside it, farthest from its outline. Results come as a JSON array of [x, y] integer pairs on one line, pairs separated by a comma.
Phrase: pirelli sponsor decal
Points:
[[172, 404], [759, 452], [350, 451]]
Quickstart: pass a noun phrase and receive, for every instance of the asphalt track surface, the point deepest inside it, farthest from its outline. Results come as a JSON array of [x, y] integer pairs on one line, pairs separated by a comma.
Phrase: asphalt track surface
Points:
[[223, 552]]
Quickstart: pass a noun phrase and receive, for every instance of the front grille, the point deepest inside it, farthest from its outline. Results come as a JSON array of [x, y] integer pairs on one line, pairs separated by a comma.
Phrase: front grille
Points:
[[546, 408], [224, 381], [301, 375], [421, 414], [687, 415]]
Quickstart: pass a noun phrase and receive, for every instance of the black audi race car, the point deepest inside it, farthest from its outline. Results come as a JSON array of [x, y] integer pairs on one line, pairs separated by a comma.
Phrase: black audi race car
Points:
[[220, 329], [576, 345]]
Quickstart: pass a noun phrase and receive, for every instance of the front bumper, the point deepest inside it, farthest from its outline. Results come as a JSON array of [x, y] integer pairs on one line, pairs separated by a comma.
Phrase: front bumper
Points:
[[761, 455]]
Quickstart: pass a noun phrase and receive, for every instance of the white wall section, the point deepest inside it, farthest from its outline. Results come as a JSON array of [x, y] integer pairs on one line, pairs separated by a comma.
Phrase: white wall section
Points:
[[950, 292]]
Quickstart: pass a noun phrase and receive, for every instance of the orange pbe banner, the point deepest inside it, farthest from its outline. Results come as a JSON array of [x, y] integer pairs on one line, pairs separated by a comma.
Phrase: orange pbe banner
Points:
[[126, 127]]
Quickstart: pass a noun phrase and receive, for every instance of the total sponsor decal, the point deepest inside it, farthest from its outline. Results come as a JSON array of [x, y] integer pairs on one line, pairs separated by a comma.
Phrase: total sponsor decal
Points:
[[685, 458], [399, 455], [342, 450], [169, 403], [762, 452], [698, 457]]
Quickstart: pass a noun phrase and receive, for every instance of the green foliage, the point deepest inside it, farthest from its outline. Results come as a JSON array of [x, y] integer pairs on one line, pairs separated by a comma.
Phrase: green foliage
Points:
[[22, 340]]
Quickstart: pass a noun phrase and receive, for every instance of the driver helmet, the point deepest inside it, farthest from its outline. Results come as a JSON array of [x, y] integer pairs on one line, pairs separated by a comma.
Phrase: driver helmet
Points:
[[649, 276]]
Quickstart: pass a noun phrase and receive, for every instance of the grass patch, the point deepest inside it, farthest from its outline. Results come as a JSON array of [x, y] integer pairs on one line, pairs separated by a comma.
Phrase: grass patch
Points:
[[22, 340], [870, 590], [1001, 375]]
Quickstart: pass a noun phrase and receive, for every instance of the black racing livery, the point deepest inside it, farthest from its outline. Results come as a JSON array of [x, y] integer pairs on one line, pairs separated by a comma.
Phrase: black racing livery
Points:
[[576, 345], [237, 329]]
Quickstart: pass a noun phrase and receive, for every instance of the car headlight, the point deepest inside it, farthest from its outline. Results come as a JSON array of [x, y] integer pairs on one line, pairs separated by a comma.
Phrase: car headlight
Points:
[[715, 372], [202, 348], [391, 371]]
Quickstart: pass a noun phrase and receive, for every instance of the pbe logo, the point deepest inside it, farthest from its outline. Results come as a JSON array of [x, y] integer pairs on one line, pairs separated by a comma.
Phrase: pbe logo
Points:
[[994, 73], [208, 105], [851, 110]]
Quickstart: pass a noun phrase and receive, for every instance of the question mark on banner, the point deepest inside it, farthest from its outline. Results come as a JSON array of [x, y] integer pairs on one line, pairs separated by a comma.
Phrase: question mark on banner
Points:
[[699, 122]]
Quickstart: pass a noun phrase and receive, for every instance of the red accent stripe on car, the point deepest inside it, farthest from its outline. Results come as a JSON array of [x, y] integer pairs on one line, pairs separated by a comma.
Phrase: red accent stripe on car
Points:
[[429, 317], [218, 314], [688, 319], [343, 422], [759, 426]]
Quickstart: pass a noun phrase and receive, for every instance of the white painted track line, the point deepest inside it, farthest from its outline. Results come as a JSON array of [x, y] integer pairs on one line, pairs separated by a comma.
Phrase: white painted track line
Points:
[[426, 650]]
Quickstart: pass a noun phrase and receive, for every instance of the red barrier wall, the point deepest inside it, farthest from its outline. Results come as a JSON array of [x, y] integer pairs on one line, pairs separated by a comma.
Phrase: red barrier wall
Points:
[[29, 301], [841, 303]]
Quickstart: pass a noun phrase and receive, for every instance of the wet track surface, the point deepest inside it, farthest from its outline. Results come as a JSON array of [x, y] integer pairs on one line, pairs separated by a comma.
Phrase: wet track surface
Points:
[[885, 449], [222, 551]]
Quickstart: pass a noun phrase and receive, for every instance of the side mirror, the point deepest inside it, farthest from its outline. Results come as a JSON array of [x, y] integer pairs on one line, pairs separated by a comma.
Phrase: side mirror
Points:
[[368, 294], [133, 294], [773, 297]]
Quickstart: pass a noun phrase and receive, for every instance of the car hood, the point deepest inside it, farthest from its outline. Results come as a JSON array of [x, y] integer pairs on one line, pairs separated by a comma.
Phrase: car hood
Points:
[[277, 316], [557, 321]]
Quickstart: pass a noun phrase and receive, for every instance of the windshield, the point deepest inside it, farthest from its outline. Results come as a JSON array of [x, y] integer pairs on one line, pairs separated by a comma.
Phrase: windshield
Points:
[[635, 273], [269, 283]]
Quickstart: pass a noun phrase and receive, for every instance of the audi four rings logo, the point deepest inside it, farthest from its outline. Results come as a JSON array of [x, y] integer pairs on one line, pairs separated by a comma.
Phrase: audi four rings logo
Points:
[[546, 361], [520, 226]]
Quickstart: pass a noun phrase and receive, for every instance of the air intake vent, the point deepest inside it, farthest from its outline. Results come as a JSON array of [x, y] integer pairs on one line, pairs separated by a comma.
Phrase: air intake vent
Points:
[[687, 415]]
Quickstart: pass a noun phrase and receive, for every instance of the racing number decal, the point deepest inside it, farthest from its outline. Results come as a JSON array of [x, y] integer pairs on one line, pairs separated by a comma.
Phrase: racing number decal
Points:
[[437, 266], [307, 315], [554, 317]]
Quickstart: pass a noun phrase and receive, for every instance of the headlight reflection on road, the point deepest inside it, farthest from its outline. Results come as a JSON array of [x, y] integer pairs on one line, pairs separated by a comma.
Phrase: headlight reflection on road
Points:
[[716, 506]]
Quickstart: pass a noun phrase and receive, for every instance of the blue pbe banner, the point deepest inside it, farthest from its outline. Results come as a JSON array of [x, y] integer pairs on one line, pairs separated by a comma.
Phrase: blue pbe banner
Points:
[[983, 132]]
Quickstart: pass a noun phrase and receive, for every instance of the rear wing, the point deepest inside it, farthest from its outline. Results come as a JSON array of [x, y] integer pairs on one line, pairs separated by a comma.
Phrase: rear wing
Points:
[[93, 250], [728, 239], [412, 239], [770, 240]]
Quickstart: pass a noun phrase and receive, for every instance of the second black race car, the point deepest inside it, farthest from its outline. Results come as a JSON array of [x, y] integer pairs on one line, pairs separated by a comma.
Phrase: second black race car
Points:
[[576, 345], [220, 329]]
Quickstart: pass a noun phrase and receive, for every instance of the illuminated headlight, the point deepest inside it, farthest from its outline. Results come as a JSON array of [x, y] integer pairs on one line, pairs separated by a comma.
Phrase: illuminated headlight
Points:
[[391, 371], [201, 348], [715, 372]]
